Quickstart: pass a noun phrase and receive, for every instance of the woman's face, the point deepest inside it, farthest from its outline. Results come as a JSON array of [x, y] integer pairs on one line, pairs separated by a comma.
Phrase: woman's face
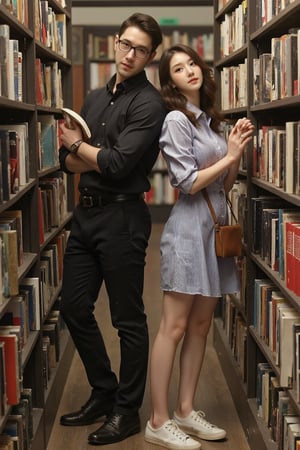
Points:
[[186, 76]]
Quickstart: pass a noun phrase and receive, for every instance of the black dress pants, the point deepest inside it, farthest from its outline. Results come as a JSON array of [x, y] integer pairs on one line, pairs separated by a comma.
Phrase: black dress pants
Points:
[[109, 244]]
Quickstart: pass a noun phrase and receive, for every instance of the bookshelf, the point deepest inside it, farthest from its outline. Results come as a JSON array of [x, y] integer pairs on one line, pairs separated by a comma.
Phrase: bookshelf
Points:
[[35, 206], [253, 54], [93, 54]]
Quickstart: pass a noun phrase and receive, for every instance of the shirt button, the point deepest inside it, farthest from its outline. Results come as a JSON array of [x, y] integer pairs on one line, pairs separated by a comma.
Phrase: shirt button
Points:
[[103, 124], [111, 103]]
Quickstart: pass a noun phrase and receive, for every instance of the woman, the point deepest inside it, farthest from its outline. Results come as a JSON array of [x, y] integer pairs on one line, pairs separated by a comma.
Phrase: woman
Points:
[[192, 277]]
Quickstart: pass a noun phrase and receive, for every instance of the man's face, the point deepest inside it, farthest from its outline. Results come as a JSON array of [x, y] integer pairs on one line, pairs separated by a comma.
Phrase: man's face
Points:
[[133, 52]]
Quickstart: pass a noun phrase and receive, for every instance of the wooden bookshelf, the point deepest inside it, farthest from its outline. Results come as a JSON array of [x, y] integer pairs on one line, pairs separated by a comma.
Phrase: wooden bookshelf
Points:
[[270, 109], [22, 106]]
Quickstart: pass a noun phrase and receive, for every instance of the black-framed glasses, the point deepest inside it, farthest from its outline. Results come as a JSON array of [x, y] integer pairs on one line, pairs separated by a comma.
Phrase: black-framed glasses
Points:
[[139, 52]]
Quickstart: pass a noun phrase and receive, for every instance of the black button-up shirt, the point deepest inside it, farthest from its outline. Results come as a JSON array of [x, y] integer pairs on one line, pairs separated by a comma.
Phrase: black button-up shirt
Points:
[[126, 125]]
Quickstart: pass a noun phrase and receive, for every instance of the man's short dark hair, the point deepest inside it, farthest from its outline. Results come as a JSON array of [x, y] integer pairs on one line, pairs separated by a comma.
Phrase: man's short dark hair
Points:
[[145, 23]]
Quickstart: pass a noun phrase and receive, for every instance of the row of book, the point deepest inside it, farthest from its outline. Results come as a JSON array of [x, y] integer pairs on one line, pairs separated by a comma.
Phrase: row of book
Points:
[[276, 410], [236, 332], [17, 433], [11, 258], [101, 73], [276, 74], [50, 27], [52, 203], [276, 238], [233, 29], [16, 402], [102, 47], [11, 66], [51, 344], [234, 93], [202, 43], [11, 252], [276, 155], [14, 152], [274, 404], [266, 10], [18, 8], [34, 295], [51, 270], [48, 84], [277, 323]]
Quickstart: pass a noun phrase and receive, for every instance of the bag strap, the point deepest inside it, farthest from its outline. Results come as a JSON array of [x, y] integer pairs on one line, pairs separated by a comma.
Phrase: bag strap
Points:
[[205, 194]]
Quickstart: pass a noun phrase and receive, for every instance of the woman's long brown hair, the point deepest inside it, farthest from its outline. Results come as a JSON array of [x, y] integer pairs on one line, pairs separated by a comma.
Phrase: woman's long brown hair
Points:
[[174, 100]]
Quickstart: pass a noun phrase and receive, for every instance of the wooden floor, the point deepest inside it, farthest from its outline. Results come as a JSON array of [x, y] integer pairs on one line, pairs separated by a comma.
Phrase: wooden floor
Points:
[[213, 395]]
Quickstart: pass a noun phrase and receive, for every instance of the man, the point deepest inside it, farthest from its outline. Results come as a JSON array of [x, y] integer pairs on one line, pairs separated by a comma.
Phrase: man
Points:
[[110, 230]]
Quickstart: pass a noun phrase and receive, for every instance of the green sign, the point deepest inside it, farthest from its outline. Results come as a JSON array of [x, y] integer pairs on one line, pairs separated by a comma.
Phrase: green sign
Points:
[[168, 21]]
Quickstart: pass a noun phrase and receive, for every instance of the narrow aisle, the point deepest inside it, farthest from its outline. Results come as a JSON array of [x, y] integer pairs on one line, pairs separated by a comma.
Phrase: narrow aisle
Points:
[[213, 394]]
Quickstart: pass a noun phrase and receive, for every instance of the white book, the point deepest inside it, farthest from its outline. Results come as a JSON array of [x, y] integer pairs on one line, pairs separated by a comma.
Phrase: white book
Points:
[[72, 117]]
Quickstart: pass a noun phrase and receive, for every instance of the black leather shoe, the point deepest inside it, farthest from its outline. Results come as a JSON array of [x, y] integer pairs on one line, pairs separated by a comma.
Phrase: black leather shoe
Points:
[[89, 413], [116, 428]]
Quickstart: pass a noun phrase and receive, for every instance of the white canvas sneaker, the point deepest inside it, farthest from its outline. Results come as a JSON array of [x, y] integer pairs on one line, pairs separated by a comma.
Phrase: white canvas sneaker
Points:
[[196, 425], [170, 436]]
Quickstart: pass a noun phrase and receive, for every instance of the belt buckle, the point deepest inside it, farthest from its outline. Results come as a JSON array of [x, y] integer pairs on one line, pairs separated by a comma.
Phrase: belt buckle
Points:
[[87, 201]]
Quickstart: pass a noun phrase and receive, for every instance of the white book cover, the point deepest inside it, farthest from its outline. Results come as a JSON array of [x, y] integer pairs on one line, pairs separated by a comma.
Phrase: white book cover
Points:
[[72, 117]]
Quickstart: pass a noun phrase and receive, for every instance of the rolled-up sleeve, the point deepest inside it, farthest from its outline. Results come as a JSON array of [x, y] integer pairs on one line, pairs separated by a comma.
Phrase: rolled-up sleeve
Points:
[[63, 153], [176, 144]]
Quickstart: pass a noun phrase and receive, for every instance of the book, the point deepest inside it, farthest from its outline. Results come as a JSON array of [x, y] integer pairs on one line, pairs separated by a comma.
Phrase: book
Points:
[[9, 238], [49, 329], [285, 215], [291, 140], [293, 435], [297, 360], [72, 117], [16, 314], [14, 428], [290, 258], [287, 320], [297, 258], [257, 206], [288, 420], [275, 389], [262, 368], [5, 164], [11, 367], [49, 141], [32, 285], [16, 214], [23, 146], [14, 144]]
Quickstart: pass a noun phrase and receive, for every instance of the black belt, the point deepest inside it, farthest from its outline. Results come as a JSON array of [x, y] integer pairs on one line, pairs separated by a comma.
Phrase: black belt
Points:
[[90, 201]]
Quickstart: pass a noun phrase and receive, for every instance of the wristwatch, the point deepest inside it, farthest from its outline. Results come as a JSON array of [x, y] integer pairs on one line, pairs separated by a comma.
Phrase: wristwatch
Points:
[[74, 147]]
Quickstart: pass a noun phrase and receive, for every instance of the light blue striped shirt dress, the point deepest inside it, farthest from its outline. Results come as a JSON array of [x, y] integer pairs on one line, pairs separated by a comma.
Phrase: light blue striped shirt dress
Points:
[[188, 260]]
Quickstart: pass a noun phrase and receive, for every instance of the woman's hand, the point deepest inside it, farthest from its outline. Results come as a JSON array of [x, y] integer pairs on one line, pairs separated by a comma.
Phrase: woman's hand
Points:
[[239, 137]]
